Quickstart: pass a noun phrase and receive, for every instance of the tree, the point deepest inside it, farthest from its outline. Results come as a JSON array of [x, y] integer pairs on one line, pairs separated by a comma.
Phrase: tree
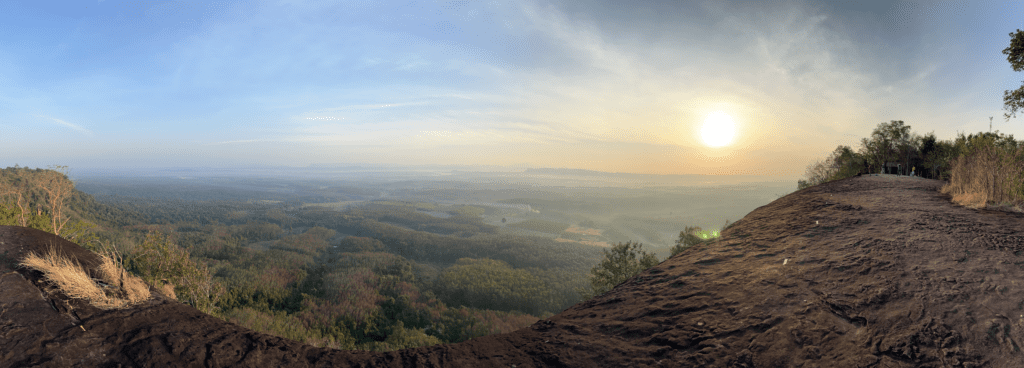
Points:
[[889, 142], [689, 237], [816, 173], [491, 284], [944, 154], [58, 188], [620, 263], [21, 216], [41, 199], [1014, 100], [872, 152], [845, 163], [928, 151], [841, 163]]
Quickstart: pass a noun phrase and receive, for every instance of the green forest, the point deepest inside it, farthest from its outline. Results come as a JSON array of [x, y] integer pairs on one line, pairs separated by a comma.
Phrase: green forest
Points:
[[380, 275], [384, 275]]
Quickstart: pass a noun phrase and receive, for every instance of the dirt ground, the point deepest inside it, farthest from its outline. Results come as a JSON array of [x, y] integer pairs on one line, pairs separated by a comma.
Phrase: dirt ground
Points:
[[873, 271]]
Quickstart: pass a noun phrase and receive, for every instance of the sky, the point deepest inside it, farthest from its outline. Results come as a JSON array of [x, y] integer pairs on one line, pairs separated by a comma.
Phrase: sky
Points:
[[601, 85]]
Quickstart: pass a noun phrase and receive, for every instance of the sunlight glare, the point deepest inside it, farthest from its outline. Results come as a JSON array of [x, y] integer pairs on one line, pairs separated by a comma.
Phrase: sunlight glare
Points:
[[718, 129]]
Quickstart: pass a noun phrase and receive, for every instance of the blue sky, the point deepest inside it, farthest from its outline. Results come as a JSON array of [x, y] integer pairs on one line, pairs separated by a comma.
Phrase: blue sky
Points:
[[594, 85]]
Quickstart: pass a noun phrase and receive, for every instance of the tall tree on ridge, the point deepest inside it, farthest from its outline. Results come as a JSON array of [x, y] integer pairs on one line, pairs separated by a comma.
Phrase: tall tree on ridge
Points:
[[888, 143], [1014, 100]]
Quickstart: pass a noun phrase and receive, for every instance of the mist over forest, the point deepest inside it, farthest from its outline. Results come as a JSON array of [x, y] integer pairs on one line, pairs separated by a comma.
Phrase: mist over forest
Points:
[[651, 209]]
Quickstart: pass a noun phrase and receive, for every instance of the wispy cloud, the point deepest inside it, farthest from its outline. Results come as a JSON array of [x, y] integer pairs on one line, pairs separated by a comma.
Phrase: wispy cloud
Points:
[[554, 83], [73, 126]]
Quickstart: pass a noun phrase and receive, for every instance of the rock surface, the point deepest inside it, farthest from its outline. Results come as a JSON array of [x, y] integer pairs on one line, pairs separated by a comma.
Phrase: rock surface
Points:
[[872, 271]]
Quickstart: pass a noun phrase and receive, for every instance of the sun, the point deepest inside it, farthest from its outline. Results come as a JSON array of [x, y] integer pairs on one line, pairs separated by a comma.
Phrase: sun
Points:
[[718, 129]]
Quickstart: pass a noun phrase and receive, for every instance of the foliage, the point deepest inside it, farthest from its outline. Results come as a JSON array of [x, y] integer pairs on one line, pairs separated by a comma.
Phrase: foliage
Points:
[[469, 211], [421, 246], [46, 200], [281, 269], [1013, 101], [159, 260], [990, 168], [256, 231], [538, 225], [892, 148], [280, 323], [936, 156], [621, 262], [842, 163], [311, 242], [981, 168], [491, 284], [689, 237], [889, 143], [12, 215], [465, 222], [361, 244]]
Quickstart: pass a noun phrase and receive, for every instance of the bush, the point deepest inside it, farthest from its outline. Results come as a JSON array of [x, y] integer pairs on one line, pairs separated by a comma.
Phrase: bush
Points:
[[690, 236], [840, 164], [620, 263], [157, 260]]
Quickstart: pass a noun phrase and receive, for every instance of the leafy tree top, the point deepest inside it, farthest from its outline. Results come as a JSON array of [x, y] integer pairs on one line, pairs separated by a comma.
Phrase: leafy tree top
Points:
[[1013, 101]]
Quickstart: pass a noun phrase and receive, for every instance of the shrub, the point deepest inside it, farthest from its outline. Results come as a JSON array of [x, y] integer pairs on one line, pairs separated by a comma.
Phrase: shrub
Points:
[[157, 260], [620, 263], [692, 235]]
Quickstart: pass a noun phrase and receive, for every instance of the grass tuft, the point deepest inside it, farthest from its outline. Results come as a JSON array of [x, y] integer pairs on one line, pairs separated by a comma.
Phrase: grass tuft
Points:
[[115, 289], [127, 287]]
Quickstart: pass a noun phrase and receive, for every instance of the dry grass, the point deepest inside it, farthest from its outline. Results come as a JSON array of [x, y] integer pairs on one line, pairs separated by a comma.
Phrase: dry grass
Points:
[[115, 289], [127, 287], [989, 175], [971, 200], [167, 289]]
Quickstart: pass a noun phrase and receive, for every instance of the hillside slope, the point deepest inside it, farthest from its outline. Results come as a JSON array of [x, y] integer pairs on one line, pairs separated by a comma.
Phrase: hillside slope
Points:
[[869, 271]]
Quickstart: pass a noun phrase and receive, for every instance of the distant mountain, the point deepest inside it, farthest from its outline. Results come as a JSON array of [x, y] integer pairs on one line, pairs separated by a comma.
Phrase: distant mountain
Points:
[[580, 172]]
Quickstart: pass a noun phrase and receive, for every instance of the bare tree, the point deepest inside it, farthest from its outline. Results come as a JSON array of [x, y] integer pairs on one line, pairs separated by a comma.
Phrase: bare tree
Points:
[[8, 189], [58, 188], [817, 173], [23, 210]]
